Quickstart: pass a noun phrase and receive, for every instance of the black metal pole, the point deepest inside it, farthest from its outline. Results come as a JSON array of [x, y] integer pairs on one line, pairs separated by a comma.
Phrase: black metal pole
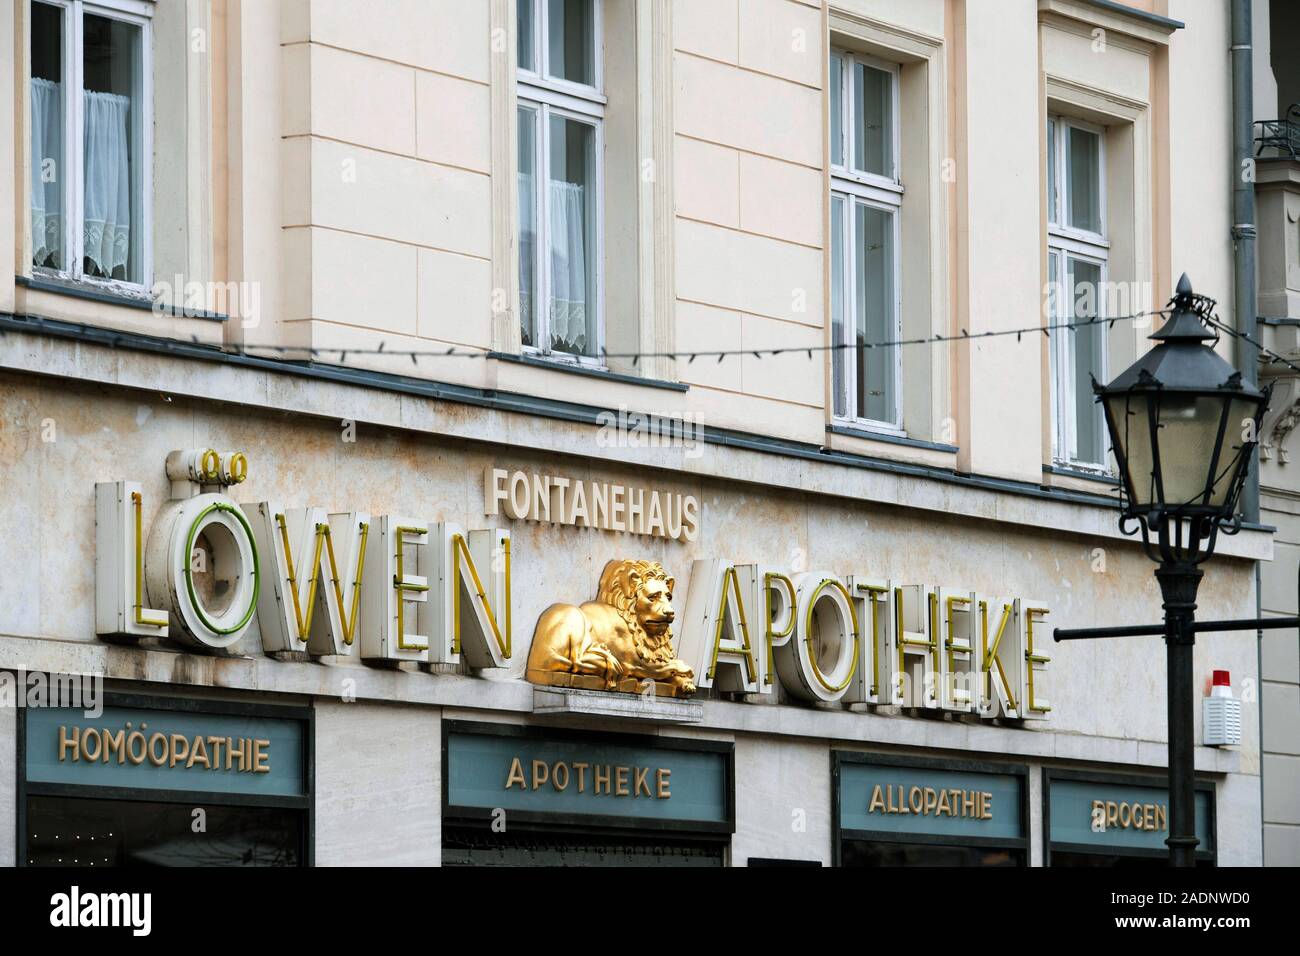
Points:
[[1178, 586], [1198, 627]]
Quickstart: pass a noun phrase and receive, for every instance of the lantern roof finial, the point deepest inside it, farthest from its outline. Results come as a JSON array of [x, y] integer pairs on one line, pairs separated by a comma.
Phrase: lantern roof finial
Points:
[[1185, 325]]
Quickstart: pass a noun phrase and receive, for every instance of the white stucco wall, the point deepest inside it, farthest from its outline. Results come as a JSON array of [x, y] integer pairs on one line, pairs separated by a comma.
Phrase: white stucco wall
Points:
[[378, 784]]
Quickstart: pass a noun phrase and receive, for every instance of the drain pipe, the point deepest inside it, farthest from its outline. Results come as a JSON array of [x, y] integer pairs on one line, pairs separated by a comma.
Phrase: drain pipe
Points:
[[1244, 304]]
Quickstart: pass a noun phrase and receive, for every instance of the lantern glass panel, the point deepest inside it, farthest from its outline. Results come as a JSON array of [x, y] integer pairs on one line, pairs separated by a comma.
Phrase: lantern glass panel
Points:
[[1128, 414], [1188, 430], [1241, 425]]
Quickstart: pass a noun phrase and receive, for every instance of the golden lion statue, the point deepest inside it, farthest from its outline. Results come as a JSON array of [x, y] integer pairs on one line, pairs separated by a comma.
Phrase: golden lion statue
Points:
[[617, 641]]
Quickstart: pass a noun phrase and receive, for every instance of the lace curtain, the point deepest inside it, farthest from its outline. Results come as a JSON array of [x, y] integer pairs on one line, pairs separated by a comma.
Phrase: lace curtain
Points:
[[108, 183], [568, 306], [47, 174], [567, 309], [527, 254], [107, 199]]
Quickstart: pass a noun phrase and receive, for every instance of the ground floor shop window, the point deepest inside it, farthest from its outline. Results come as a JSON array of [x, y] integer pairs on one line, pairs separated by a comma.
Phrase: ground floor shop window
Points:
[[473, 847], [535, 796], [165, 782], [1117, 820], [1113, 860], [69, 831], [868, 853], [912, 811]]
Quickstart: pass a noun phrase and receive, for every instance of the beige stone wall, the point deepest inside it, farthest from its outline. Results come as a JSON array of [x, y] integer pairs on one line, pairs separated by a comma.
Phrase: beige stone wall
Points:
[[386, 140], [1111, 689], [1108, 697], [750, 237], [366, 175], [1279, 689], [363, 183], [378, 787]]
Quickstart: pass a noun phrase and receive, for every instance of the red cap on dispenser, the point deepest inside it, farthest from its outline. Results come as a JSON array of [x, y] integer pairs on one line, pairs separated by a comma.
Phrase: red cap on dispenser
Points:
[[1222, 679]]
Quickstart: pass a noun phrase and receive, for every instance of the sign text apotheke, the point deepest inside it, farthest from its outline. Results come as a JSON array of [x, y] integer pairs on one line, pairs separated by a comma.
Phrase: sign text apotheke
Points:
[[868, 640], [619, 780], [388, 587], [624, 781]]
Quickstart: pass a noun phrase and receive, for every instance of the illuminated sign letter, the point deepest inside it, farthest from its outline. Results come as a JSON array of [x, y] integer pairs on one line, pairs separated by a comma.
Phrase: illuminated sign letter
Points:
[[915, 668], [1037, 706], [717, 637], [315, 566], [1001, 663], [957, 634], [203, 567], [771, 604], [120, 605], [875, 605], [394, 590], [471, 607], [820, 663]]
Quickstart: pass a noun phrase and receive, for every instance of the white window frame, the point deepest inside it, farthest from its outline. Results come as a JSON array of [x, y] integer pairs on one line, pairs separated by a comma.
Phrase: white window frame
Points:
[[1068, 243], [551, 96], [859, 187], [138, 13]]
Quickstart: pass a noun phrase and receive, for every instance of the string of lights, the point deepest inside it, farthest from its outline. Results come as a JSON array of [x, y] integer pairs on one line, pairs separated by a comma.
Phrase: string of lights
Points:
[[341, 353], [1274, 357], [719, 355]]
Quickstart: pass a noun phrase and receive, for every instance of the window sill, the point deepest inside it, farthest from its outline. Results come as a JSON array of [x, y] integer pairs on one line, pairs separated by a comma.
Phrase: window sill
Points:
[[96, 292], [574, 368], [1081, 473], [891, 439]]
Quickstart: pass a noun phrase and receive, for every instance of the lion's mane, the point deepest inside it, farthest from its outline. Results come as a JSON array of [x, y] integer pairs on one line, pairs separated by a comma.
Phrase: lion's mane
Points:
[[619, 584]]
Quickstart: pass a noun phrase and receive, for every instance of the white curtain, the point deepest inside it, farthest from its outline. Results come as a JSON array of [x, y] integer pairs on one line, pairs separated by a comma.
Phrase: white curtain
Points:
[[567, 257], [527, 250], [568, 306], [47, 172], [108, 182]]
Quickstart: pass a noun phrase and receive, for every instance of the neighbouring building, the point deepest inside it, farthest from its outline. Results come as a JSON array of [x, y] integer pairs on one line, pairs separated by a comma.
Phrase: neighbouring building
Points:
[[344, 340], [1277, 191]]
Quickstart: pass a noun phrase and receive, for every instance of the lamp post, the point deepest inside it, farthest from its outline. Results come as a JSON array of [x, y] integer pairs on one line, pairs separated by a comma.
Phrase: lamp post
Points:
[[1183, 426]]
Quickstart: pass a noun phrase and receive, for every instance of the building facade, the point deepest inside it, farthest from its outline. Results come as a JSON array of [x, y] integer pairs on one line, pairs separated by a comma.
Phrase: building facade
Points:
[[1277, 89], [343, 343]]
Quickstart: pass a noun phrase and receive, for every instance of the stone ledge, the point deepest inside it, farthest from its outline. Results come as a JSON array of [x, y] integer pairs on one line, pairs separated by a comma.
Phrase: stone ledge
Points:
[[178, 671], [568, 701]]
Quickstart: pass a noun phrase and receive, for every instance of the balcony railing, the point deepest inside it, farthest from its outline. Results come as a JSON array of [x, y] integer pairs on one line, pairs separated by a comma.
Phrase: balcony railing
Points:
[[1279, 138]]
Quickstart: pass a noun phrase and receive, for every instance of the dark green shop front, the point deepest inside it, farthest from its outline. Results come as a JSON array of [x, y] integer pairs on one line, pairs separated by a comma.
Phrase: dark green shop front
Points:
[[153, 781], [1117, 820], [534, 796], [915, 811]]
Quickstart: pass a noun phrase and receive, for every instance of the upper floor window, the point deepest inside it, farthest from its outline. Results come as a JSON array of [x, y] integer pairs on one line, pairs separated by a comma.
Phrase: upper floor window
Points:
[[866, 196], [1077, 256], [90, 139], [561, 146]]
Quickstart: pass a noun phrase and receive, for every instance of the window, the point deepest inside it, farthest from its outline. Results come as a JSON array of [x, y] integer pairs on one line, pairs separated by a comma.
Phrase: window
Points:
[[90, 140], [561, 149], [866, 196], [1077, 254]]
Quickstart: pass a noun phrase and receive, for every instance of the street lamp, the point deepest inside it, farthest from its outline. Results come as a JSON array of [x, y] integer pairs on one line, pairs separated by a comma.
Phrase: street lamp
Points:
[[1183, 427]]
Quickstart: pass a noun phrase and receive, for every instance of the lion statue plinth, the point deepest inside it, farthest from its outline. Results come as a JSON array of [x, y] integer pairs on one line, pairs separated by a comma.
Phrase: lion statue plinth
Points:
[[616, 642]]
